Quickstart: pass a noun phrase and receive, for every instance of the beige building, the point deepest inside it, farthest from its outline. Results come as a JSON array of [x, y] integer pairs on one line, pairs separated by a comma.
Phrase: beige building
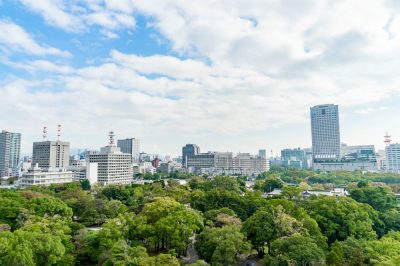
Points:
[[216, 160], [246, 164]]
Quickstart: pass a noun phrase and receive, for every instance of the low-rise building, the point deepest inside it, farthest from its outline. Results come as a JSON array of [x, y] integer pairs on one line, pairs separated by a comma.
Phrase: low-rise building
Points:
[[38, 176], [215, 160], [370, 166], [246, 164]]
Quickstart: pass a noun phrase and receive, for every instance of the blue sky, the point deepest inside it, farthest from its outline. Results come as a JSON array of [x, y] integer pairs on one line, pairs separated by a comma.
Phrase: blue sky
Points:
[[227, 75]]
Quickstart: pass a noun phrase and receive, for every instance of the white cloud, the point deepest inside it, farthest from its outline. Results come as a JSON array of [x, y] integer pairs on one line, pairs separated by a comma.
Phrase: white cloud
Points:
[[15, 38], [78, 16], [241, 65]]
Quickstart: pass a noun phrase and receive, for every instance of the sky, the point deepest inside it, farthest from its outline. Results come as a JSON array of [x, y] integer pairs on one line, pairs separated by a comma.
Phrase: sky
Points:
[[237, 75]]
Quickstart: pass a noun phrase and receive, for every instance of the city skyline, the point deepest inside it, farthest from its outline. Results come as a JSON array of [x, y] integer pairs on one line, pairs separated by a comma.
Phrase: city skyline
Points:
[[226, 76]]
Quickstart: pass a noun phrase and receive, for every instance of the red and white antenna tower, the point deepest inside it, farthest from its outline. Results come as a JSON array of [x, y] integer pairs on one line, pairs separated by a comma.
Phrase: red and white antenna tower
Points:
[[111, 135], [58, 132], [388, 139], [44, 133]]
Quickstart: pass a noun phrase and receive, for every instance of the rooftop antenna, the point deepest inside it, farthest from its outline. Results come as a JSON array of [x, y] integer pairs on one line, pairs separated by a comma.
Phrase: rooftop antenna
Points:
[[58, 132], [388, 139], [111, 136], [44, 133]]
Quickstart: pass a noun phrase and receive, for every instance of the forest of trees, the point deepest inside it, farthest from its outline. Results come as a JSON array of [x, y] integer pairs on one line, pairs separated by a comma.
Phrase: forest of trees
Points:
[[215, 221]]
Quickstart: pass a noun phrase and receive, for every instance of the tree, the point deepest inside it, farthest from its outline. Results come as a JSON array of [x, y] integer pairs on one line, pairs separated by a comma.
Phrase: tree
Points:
[[295, 250], [222, 246], [85, 184], [385, 250], [291, 192], [341, 217], [336, 256], [272, 183], [280, 218], [32, 248], [380, 198], [123, 254]]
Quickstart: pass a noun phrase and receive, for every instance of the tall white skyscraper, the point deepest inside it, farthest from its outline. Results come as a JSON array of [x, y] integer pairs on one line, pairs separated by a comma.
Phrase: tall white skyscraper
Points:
[[130, 146], [325, 132], [10, 147]]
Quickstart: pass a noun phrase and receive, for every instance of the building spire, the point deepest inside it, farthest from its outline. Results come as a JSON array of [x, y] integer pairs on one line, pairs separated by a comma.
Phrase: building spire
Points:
[[44, 133], [111, 138]]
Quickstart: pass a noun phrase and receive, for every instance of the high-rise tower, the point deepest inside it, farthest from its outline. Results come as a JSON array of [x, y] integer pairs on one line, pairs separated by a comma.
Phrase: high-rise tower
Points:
[[325, 132], [10, 148]]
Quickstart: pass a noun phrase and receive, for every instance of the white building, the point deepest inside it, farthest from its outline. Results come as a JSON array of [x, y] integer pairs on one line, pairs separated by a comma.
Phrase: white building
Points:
[[369, 166], [37, 176], [393, 158], [114, 167], [325, 132]]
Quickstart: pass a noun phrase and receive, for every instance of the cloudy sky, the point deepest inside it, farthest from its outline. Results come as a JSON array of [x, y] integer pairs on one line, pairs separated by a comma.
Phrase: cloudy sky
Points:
[[234, 75]]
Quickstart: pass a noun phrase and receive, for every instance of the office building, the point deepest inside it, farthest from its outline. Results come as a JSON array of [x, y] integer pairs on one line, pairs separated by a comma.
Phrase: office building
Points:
[[358, 153], [10, 148], [189, 150], [216, 160], [393, 158], [246, 164], [114, 167], [38, 176], [262, 153], [50, 154], [343, 165], [325, 132], [294, 158], [130, 146]]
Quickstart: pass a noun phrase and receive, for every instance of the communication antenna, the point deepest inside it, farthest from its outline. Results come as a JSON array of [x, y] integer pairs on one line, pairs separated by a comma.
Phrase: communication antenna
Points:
[[111, 136], [58, 132], [44, 133], [388, 139]]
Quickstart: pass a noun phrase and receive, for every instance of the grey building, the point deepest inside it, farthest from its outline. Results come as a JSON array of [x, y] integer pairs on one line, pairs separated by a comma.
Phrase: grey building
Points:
[[10, 148], [325, 132], [130, 146], [358, 152], [189, 150], [216, 160], [50, 154], [294, 157], [262, 153]]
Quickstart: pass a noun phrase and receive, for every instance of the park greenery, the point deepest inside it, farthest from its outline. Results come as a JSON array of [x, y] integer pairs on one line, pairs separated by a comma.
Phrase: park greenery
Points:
[[208, 221]]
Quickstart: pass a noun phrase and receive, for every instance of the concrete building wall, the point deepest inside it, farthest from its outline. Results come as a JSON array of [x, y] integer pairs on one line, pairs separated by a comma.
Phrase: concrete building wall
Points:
[[51, 154]]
